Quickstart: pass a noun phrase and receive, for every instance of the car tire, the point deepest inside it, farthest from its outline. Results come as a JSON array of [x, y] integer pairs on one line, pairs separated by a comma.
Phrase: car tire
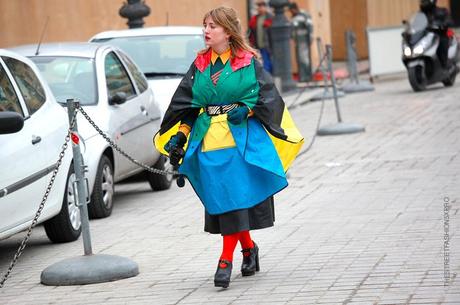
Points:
[[65, 226], [102, 197], [160, 182]]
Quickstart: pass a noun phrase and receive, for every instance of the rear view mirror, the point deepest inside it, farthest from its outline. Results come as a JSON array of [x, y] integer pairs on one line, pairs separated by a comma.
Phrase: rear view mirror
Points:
[[10, 122], [118, 98]]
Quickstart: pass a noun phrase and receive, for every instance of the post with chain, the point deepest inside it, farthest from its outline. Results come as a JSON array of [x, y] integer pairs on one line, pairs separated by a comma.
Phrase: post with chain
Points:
[[340, 127], [326, 94], [334, 84], [89, 268], [354, 84], [80, 183]]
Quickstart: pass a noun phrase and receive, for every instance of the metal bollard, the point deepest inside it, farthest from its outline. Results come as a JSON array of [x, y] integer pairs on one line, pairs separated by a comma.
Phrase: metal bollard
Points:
[[352, 56], [81, 182], [89, 268], [319, 45], [354, 84], [340, 127], [326, 95], [334, 87]]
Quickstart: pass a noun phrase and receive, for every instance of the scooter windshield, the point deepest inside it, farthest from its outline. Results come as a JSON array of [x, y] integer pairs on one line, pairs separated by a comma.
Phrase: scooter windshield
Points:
[[418, 23]]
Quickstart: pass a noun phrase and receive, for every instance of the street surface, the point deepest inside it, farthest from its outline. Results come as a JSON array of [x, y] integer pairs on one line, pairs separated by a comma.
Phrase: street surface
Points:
[[362, 222]]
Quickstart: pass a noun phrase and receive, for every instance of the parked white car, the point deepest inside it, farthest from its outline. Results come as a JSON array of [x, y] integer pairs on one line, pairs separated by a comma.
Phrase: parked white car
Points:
[[28, 157], [164, 54], [116, 95]]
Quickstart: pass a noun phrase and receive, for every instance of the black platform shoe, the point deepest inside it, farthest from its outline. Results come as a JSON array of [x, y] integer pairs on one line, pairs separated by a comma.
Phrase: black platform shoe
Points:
[[250, 262], [223, 274]]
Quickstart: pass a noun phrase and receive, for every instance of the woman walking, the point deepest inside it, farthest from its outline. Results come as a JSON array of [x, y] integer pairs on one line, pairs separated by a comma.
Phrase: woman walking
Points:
[[239, 139]]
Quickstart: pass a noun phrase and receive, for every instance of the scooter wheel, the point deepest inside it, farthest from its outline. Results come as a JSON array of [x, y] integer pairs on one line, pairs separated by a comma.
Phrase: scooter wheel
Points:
[[417, 78]]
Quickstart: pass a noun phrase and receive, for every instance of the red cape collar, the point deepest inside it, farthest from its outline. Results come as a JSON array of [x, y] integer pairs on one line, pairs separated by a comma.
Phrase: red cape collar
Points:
[[242, 59]]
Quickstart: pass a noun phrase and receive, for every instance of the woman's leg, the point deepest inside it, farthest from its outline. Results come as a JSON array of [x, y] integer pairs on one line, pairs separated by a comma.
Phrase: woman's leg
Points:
[[250, 254], [229, 246], [246, 240], [224, 269]]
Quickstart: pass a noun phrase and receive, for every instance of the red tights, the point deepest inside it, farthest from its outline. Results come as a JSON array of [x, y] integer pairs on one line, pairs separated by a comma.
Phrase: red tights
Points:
[[230, 242]]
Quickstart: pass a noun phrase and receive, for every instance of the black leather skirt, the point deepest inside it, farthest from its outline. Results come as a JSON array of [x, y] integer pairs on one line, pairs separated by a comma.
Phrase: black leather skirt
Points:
[[258, 217]]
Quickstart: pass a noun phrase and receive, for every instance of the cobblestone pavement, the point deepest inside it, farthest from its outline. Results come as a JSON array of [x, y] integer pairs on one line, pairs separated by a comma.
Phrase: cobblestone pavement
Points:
[[362, 221]]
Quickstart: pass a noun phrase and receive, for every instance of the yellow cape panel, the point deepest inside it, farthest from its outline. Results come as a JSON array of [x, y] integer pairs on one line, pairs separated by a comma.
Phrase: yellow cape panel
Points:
[[288, 150], [159, 141]]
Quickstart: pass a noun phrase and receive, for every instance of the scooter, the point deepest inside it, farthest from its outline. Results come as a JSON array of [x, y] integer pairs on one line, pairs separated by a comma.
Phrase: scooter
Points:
[[420, 57]]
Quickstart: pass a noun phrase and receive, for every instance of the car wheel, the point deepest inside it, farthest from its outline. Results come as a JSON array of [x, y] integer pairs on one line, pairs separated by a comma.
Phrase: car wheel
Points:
[[102, 197], [65, 226], [160, 182]]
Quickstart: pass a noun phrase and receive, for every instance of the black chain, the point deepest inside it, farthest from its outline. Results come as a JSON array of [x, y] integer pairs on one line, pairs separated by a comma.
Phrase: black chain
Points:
[[115, 146], [42, 205], [53, 177]]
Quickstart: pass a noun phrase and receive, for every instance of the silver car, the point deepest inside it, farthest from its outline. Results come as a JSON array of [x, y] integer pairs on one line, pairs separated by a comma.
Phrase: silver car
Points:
[[164, 54], [116, 95]]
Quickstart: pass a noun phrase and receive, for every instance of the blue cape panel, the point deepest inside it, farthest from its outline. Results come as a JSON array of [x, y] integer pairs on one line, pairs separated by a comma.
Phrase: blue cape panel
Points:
[[236, 178]]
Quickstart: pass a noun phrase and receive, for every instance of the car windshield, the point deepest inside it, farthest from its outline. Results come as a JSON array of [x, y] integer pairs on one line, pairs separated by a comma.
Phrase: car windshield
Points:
[[160, 55], [69, 77]]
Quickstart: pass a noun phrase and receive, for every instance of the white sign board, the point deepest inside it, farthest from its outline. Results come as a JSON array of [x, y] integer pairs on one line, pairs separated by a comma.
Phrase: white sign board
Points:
[[385, 51]]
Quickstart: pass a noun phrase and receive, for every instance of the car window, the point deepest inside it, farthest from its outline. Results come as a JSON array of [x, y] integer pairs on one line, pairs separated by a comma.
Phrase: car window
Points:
[[69, 77], [9, 100], [139, 78], [28, 83], [117, 77], [160, 54]]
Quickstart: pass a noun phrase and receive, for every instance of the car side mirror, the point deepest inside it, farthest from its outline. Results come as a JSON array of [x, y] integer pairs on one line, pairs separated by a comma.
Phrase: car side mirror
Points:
[[118, 98], [10, 122]]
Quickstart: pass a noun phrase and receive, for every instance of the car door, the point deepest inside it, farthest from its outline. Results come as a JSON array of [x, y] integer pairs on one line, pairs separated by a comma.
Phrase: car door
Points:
[[149, 109], [28, 156], [128, 118]]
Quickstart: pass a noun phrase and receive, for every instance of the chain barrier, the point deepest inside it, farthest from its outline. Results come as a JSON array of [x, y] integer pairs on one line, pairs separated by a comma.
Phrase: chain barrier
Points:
[[53, 177], [41, 206], [118, 149], [321, 111], [318, 123], [318, 67]]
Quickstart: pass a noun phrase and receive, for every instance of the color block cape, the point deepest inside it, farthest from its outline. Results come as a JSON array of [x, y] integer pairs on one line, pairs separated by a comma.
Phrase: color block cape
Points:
[[243, 80]]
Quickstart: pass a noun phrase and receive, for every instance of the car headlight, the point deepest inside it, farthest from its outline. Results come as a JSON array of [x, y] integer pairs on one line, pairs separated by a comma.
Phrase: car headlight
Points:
[[407, 51], [418, 50]]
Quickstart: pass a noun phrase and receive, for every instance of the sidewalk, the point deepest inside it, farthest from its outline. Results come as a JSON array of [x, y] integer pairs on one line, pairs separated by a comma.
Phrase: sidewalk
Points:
[[362, 221]]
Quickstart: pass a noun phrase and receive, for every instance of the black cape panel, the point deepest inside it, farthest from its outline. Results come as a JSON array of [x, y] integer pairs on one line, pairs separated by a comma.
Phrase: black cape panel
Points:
[[181, 102], [269, 108]]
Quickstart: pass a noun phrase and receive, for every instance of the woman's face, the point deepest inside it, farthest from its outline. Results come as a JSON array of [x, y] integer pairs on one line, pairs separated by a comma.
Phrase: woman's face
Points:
[[215, 35]]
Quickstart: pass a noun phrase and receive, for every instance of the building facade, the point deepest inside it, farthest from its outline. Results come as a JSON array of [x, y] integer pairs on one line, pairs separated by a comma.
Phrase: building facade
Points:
[[23, 21]]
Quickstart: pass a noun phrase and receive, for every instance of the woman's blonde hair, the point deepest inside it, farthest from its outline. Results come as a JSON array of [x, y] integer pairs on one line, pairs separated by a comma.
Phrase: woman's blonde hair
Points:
[[227, 18]]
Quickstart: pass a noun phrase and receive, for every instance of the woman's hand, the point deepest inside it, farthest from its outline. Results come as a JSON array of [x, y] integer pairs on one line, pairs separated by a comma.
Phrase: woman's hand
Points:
[[175, 148], [238, 115]]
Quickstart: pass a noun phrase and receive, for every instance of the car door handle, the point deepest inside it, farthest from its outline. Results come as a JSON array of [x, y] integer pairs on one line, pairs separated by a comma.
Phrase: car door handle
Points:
[[144, 111], [36, 139]]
